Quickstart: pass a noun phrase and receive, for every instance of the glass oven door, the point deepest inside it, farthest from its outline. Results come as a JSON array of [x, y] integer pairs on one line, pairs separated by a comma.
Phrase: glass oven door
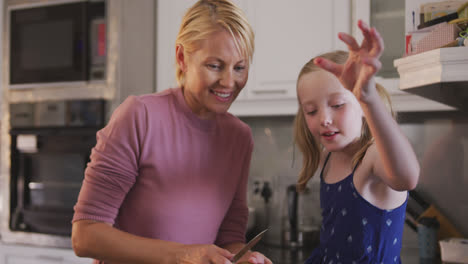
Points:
[[48, 178]]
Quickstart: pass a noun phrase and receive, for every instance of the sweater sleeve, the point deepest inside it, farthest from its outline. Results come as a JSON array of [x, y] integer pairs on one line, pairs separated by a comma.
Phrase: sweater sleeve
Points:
[[234, 225], [114, 163]]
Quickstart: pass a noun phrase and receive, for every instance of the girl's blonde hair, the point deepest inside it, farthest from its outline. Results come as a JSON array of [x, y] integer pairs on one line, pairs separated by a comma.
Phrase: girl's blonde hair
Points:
[[208, 16], [309, 147]]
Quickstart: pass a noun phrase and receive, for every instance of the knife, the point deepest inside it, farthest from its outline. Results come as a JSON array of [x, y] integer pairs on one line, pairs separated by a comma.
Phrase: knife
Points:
[[248, 246]]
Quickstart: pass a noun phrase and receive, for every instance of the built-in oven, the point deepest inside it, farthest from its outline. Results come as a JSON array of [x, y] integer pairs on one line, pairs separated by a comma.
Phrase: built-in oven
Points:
[[48, 159]]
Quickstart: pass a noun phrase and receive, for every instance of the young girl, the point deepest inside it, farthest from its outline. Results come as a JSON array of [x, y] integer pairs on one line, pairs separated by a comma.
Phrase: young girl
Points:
[[345, 126]]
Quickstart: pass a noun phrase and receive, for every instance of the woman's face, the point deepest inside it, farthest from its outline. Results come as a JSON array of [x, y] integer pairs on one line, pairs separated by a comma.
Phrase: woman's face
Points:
[[215, 73], [332, 113]]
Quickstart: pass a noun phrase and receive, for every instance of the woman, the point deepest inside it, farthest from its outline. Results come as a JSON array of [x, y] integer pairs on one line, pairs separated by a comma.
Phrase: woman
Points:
[[167, 178]]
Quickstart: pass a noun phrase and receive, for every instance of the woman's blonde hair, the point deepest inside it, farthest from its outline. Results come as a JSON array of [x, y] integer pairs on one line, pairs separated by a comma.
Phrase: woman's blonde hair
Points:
[[303, 138], [208, 16]]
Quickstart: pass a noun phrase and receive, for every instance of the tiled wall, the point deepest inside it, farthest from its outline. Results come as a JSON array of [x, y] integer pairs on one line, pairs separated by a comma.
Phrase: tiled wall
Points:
[[440, 140]]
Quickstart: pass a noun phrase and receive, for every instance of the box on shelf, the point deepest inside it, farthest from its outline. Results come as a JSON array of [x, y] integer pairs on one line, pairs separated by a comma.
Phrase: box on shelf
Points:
[[435, 37], [454, 250]]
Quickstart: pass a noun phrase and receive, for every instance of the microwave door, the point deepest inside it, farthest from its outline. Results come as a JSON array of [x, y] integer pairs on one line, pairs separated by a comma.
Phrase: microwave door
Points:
[[49, 44]]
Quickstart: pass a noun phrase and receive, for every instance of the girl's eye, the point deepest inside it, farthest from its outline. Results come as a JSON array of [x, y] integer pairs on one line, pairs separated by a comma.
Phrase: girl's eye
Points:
[[337, 105], [311, 112]]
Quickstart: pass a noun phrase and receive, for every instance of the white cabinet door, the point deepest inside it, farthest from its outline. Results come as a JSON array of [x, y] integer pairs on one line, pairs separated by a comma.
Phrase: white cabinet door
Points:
[[287, 35]]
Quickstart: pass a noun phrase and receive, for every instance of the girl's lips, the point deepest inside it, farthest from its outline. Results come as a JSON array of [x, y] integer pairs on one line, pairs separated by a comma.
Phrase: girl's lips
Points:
[[329, 135]]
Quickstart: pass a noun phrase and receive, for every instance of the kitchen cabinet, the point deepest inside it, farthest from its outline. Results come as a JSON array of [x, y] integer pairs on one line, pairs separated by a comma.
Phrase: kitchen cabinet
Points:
[[390, 19], [288, 34], [16, 254]]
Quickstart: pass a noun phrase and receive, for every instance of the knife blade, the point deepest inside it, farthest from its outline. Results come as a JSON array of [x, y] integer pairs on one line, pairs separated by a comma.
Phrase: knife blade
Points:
[[247, 247]]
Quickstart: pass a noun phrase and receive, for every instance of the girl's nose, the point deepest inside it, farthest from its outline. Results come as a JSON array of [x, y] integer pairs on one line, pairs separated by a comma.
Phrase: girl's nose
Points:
[[227, 79], [325, 119]]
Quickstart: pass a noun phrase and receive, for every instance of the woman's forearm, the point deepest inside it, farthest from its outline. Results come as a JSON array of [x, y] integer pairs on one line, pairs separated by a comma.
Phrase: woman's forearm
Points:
[[101, 241]]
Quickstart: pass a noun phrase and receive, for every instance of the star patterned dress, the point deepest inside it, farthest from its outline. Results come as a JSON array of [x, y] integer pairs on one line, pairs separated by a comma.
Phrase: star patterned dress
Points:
[[353, 230]]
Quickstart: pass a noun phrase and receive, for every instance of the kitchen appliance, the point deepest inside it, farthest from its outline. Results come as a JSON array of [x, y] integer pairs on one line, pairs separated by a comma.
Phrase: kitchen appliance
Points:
[[48, 160], [57, 42], [300, 224], [427, 239]]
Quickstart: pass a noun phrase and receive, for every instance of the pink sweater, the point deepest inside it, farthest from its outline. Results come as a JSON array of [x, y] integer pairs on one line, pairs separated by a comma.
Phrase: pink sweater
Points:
[[159, 171]]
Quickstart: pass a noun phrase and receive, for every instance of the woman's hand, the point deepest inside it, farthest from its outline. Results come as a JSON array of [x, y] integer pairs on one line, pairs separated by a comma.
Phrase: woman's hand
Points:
[[254, 258], [203, 254], [363, 63]]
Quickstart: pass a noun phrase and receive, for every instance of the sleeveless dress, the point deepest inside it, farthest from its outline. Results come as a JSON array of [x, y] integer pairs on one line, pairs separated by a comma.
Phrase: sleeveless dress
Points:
[[353, 230]]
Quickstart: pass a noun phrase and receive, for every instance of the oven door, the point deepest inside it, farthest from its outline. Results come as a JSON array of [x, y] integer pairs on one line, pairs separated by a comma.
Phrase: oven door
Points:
[[47, 180]]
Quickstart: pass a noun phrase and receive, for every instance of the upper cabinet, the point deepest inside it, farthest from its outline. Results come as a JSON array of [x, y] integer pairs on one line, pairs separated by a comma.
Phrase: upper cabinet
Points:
[[287, 35], [389, 18]]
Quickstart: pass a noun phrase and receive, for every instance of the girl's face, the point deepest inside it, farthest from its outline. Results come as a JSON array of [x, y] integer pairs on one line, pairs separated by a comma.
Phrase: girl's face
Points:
[[215, 73], [332, 113]]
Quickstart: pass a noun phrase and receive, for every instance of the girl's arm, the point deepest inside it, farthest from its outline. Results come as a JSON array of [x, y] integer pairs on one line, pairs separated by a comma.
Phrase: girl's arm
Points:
[[395, 161]]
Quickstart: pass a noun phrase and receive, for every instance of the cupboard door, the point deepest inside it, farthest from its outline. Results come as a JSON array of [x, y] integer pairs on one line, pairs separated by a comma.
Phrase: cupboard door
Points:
[[288, 34]]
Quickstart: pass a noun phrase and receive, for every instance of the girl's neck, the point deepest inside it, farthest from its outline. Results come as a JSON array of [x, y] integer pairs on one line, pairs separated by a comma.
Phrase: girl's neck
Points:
[[349, 151]]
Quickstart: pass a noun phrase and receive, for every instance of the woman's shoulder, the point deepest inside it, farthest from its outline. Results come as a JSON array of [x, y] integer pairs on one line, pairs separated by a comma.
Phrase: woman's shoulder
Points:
[[235, 128], [158, 98]]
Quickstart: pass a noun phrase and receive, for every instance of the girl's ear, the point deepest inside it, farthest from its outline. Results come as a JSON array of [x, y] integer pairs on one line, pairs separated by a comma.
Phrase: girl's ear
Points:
[[180, 57]]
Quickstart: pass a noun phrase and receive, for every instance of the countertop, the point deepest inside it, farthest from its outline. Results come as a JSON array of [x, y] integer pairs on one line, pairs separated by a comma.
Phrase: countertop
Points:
[[281, 255]]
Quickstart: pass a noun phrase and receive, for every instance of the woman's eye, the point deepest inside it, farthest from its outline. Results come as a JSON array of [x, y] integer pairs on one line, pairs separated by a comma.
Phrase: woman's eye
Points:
[[239, 68], [311, 112], [214, 66]]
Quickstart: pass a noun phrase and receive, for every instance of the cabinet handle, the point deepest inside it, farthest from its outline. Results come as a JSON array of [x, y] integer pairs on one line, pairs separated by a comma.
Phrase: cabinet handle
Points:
[[276, 87], [50, 258], [270, 91]]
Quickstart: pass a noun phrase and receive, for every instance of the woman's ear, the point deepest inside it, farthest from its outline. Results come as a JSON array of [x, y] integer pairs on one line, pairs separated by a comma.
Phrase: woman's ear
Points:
[[180, 57]]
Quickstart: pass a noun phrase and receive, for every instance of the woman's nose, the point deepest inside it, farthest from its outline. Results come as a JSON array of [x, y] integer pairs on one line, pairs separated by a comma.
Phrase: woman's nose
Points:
[[227, 79]]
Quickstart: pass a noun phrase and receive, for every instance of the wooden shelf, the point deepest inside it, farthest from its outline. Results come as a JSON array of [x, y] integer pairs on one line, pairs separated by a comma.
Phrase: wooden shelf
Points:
[[440, 75]]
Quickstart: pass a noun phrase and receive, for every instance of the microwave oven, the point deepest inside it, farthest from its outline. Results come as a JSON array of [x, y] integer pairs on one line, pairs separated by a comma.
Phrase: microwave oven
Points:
[[60, 41]]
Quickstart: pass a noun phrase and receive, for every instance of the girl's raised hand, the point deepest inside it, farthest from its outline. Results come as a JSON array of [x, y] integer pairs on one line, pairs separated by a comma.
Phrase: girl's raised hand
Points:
[[362, 64]]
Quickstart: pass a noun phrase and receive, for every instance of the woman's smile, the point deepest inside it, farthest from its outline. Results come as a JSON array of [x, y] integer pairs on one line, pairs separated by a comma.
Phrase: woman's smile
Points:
[[222, 96]]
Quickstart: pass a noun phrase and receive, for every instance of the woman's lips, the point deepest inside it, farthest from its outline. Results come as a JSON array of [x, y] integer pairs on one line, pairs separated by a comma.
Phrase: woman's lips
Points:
[[222, 96]]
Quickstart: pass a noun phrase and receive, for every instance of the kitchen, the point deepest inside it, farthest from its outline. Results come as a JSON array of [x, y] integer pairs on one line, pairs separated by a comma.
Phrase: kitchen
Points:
[[267, 105]]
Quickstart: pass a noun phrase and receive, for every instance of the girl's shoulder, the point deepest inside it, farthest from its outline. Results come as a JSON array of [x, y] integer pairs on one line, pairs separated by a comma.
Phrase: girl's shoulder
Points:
[[323, 156], [369, 160]]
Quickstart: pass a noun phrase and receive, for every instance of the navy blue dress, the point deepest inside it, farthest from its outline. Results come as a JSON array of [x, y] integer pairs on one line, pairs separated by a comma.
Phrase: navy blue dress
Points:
[[353, 230]]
